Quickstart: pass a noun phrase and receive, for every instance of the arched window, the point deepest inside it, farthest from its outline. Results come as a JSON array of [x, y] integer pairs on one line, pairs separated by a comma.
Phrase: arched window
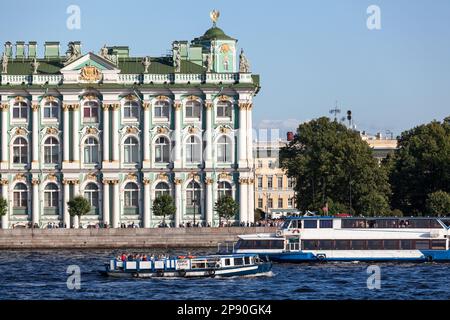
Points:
[[51, 196], [91, 194], [51, 109], [51, 150], [161, 109], [131, 150], [131, 193], [20, 110], [224, 189], [131, 110], [193, 109], [90, 111], [224, 149], [162, 150], [20, 196], [91, 150], [193, 149], [20, 151], [224, 109], [193, 194], [161, 189]]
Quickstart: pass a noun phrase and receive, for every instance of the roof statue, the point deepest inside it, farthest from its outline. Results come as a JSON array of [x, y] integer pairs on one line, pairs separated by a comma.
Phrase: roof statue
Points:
[[176, 57], [214, 15], [35, 65], [104, 54], [5, 63], [72, 53], [146, 63], [208, 62], [244, 64]]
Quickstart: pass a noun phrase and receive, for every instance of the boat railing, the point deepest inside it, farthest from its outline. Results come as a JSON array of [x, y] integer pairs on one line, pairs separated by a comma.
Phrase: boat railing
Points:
[[225, 247]]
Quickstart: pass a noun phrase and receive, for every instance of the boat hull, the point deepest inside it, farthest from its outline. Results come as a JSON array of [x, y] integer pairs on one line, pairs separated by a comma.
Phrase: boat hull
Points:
[[364, 256]]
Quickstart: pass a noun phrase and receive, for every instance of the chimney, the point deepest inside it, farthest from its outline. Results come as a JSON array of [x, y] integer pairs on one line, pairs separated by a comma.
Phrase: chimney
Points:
[[8, 49], [51, 50], [290, 136], [32, 49], [20, 49]]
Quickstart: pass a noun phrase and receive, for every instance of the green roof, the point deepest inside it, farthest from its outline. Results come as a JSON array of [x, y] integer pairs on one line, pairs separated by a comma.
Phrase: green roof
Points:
[[215, 33]]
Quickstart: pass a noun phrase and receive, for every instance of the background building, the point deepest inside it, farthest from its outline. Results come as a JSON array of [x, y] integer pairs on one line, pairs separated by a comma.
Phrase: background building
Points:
[[121, 130]]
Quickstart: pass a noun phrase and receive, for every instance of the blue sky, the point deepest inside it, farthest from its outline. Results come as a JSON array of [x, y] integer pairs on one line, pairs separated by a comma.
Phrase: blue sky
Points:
[[309, 53]]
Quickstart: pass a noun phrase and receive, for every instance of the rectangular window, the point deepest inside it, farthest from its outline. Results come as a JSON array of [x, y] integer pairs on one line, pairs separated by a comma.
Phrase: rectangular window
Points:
[[310, 224], [375, 244], [353, 223], [238, 261], [326, 224], [290, 183], [280, 183], [342, 245], [406, 244], [269, 182], [270, 203], [290, 203], [280, 203], [260, 203], [260, 182], [438, 244], [391, 244], [309, 245], [326, 245], [422, 244], [358, 244]]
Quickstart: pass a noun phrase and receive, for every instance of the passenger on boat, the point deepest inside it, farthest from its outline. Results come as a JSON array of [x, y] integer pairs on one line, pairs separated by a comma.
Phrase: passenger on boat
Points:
[[144, 257], [124, 257]]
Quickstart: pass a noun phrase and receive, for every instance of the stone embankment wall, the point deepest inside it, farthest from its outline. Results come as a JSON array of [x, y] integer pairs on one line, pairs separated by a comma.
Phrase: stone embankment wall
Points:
[[122, 238]]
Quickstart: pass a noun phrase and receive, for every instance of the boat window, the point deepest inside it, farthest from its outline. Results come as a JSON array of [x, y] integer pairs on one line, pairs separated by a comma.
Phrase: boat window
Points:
[[238, 261], [371, 223], [294, 224], [406, 244], [358, 244], [262, 244], [326, 244], [391, 244], [323, 224], [247, 260], [419, 223], [343, 245], [434, 224], [438, 244], [227, 262], [386, 223], [375, 245], [245, 244], [422, 244], [277, 244], [309, 244], [353, 223], [446, 222], [310, 224]]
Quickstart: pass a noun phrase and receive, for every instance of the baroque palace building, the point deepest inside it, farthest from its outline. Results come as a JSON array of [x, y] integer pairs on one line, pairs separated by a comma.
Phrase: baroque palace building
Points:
[[121, 130]]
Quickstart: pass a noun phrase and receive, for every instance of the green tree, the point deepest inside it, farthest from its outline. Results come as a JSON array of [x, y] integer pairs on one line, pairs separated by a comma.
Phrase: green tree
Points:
[[164, 206], [78, 206], [3, 206], [422, 166], [438, 203], [226, 207], [332, 162]]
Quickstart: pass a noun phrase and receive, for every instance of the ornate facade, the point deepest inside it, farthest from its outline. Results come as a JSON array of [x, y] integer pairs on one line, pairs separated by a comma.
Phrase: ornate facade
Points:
[[122, 130]]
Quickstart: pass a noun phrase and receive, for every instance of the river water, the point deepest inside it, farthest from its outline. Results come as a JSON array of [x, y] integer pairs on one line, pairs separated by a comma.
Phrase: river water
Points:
[[43, 275]]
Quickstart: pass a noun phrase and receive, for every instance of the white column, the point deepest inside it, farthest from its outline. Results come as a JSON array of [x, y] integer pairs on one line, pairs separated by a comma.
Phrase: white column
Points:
[[66, 195], [5, 220], [105, 132], [116, 205], [178, 142], [115, 133], [146, 217], [243, 197], [35, 201], [178, 202], [35, 134], [251, 201], [146, 139], [208, 134], [106, 209], [209, 201], [66, 133], [249, 136], [76, 129], [242, 148], [4, 133]]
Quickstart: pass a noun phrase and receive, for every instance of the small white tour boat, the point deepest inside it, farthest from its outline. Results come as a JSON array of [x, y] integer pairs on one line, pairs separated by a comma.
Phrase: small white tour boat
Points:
[[190, 266]]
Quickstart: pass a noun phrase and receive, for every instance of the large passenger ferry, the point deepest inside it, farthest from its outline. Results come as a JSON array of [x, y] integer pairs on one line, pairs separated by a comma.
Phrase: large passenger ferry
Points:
[[303, 239]]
